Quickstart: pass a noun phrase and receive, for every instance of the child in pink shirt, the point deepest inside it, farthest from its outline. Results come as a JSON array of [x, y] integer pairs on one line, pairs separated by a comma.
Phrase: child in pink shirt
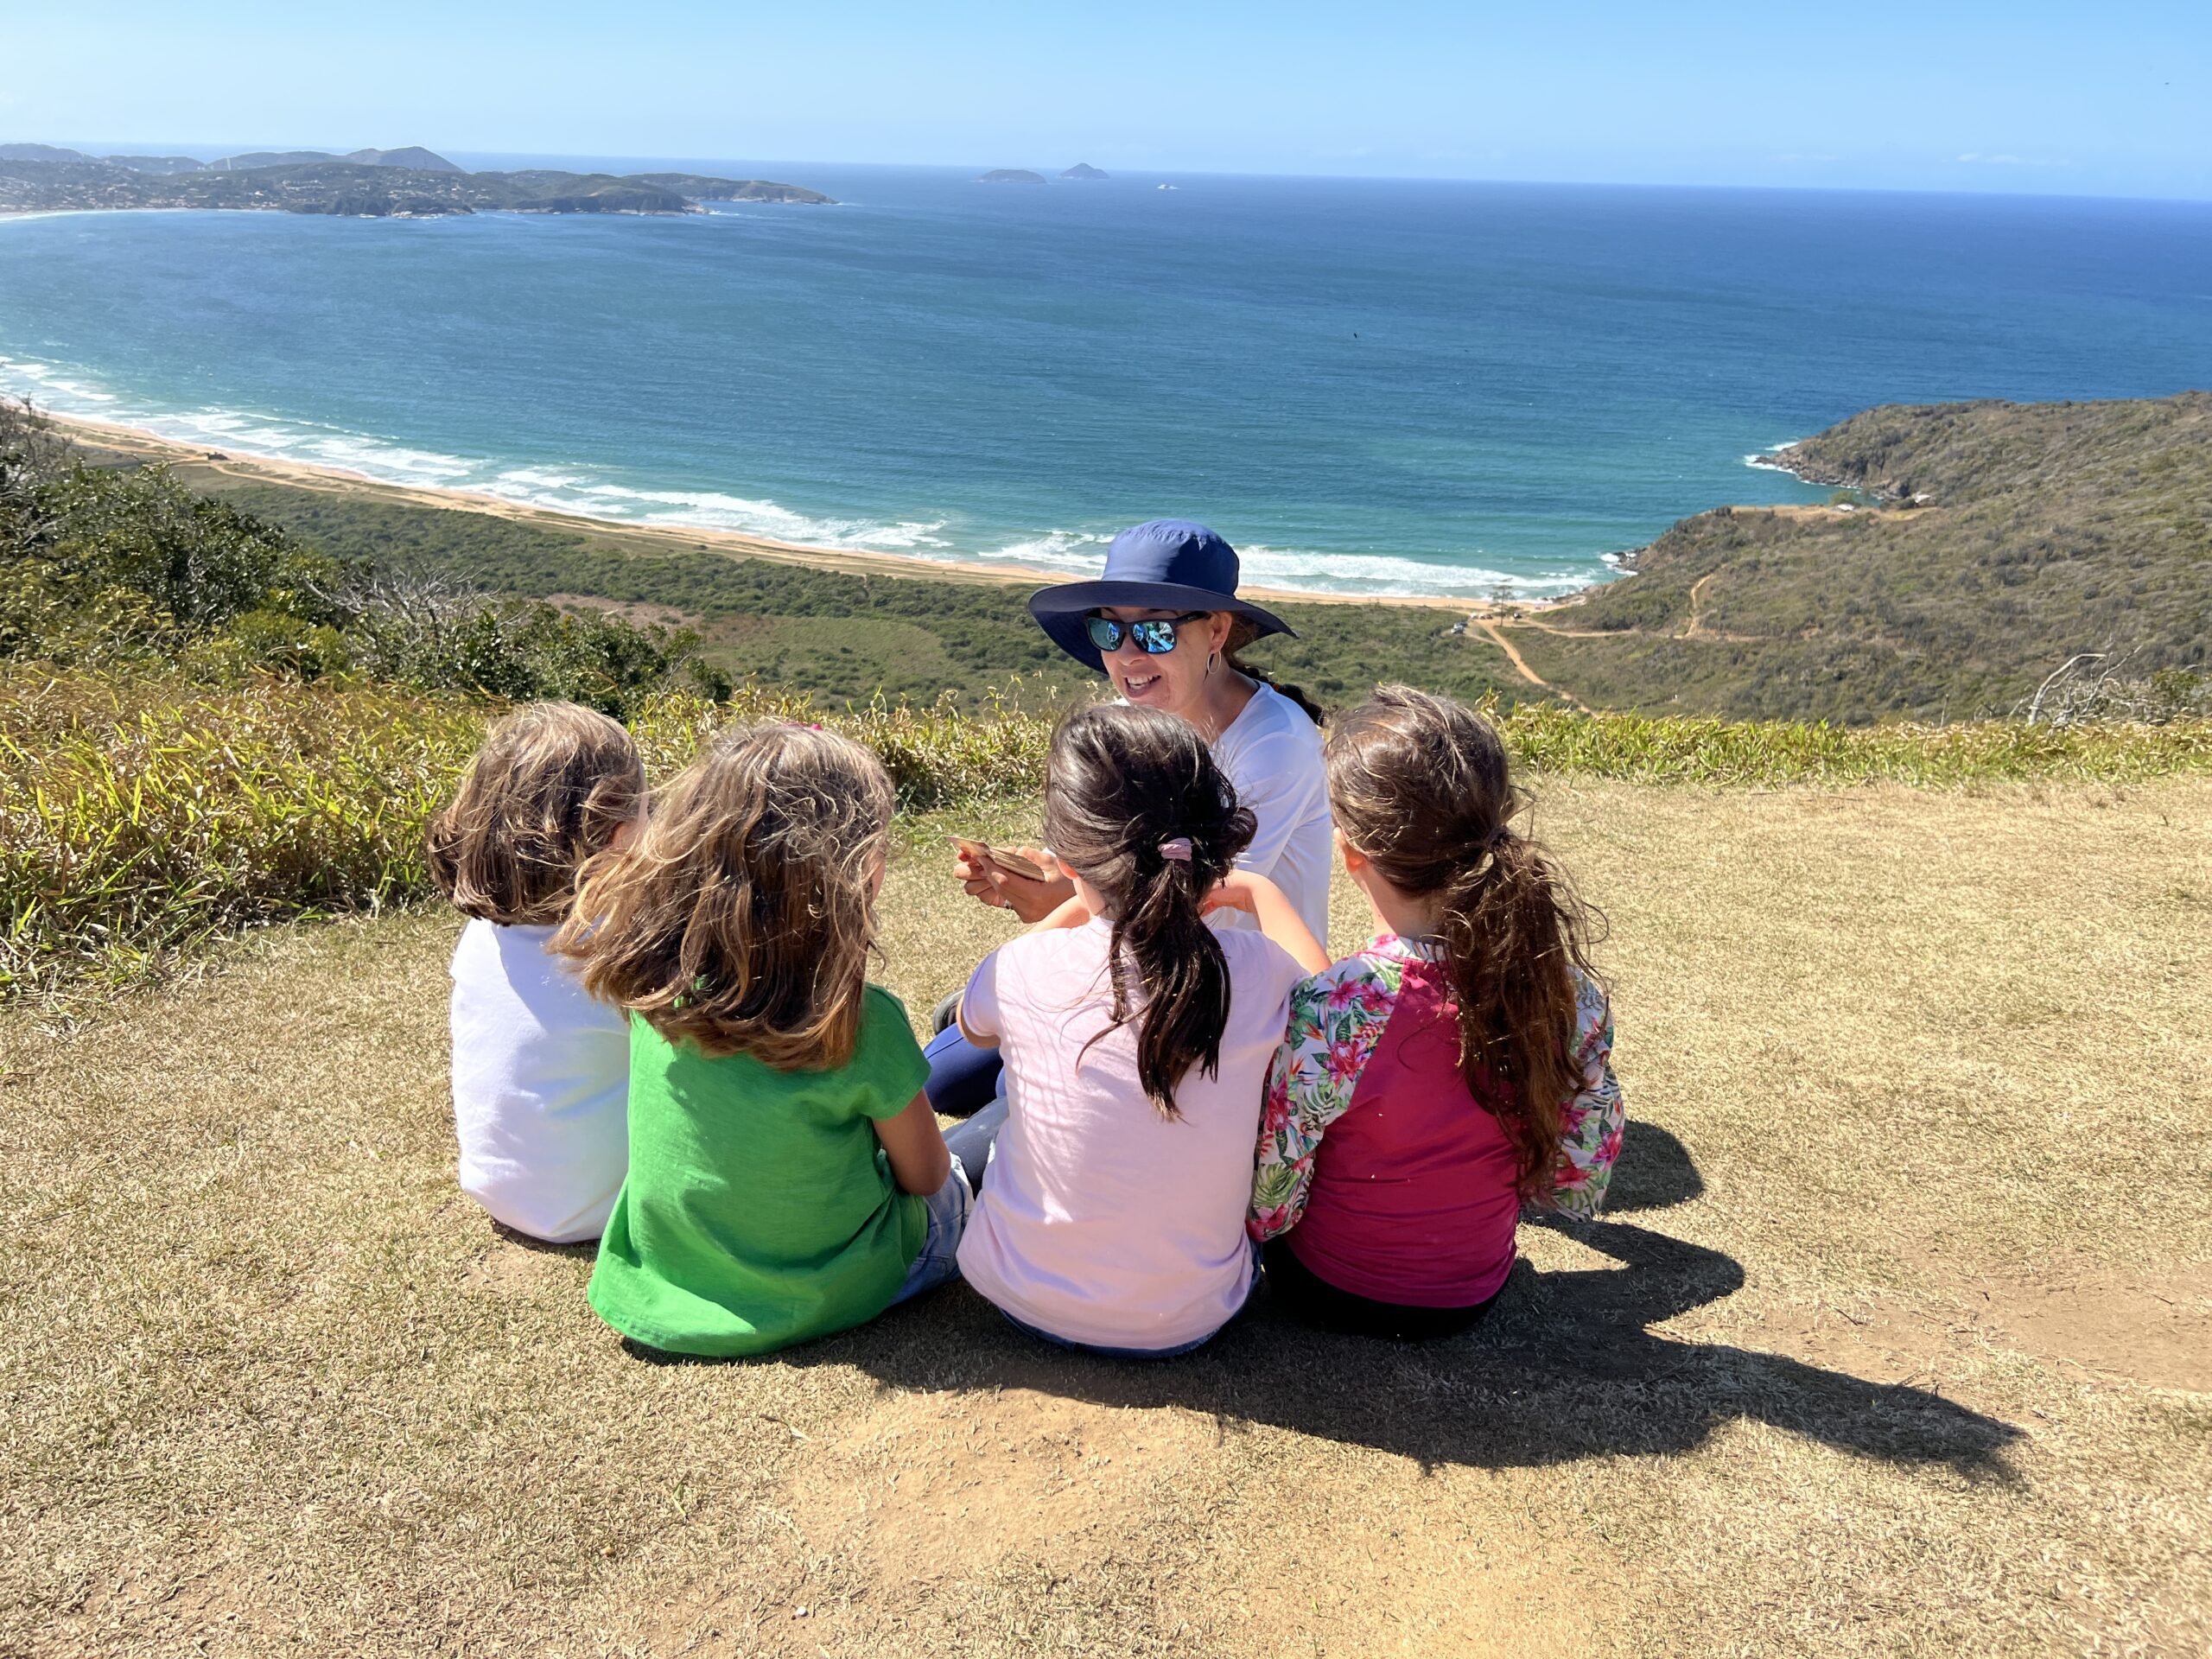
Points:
[[1457, 1067], [1136, 1040]]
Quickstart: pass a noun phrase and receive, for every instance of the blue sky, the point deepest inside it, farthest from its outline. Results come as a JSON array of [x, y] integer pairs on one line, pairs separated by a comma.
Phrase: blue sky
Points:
[[2074, 99]]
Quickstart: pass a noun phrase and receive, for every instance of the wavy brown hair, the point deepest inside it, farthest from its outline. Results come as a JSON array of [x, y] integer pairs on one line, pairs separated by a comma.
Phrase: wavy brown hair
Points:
[[741, 920], [1422, 786], [1120, 782], [552, 784]]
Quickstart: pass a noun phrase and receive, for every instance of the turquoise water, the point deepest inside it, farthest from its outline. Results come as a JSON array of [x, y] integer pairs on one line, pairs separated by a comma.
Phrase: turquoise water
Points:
[[1376, 386]]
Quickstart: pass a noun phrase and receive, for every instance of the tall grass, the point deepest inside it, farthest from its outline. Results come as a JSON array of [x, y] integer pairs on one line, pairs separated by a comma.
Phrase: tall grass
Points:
[[140, 817], [1678, 749]]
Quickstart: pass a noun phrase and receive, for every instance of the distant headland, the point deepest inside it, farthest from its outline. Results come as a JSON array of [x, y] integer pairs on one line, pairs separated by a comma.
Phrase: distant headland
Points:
[[1010, 175], [409, 183]]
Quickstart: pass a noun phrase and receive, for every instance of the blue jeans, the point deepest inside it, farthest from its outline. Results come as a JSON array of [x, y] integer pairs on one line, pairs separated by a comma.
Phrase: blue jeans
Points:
[[949, 1208], [973, 1142], [964, 1078]]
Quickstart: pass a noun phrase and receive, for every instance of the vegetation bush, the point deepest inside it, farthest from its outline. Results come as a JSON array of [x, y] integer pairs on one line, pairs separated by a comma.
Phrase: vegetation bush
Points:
[[141, 814], [2043, 532], [104, 566], [840, 635]]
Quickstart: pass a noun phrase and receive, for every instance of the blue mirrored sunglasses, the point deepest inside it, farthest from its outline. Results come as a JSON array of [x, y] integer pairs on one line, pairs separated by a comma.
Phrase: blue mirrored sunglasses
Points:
[[1155, 638]]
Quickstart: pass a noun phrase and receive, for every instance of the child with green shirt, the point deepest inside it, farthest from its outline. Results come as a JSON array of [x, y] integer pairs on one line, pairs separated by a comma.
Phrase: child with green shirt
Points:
[[786, 1178]]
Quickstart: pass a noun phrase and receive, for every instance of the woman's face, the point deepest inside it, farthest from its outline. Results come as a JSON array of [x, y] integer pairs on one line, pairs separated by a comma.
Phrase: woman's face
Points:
[[1175, 681]]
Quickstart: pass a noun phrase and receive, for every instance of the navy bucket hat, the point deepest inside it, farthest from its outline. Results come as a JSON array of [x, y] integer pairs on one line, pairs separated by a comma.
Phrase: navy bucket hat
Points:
[[1169, 564]]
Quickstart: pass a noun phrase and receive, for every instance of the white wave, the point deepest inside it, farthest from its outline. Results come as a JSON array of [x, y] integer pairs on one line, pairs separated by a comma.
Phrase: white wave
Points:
[[1383, 574], [538, 478], [1056, 550], [583, 491], [361, 454], [1765, 459]]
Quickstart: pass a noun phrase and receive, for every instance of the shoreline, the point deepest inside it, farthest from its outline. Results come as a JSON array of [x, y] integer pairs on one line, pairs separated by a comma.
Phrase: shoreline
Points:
[[244, 465]]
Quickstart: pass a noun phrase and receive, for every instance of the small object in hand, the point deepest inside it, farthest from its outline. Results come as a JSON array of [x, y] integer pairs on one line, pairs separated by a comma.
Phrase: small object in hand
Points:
[[977, 852]]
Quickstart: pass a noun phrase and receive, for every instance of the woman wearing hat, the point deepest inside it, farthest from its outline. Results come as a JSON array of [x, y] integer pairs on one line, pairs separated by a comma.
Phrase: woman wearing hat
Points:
[[1165, 625]]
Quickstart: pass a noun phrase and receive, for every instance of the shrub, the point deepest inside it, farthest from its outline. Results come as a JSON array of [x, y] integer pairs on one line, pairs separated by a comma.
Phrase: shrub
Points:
[[141, 816]]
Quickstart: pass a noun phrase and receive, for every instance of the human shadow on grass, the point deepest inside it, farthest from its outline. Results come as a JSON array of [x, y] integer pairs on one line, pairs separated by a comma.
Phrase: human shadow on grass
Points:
[[1564, 1367], [1653, 1170]]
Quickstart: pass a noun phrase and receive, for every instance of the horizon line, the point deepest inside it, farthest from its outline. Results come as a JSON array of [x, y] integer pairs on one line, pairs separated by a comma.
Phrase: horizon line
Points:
[[182, 146]]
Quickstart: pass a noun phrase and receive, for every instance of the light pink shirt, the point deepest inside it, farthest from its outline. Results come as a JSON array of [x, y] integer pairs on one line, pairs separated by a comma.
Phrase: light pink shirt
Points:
[[1100, 1222]]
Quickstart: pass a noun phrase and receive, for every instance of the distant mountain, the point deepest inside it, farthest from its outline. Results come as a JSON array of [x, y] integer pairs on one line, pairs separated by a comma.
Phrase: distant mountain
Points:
[[421, 160], [65, 179], [699, 188], [1085, 170], [1011, 176], [40, 153], [157, 164]]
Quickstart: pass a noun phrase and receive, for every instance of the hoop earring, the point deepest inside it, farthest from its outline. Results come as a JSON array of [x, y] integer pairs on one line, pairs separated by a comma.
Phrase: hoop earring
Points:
[[1210, 657]]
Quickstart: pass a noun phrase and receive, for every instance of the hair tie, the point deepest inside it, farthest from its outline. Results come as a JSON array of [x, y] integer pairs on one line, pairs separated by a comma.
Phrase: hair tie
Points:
[[1178, 850]]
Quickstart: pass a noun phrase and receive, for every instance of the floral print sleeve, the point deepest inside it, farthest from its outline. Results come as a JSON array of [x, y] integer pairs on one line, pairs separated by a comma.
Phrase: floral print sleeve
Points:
[[1591, 1126], [1337, 1018]]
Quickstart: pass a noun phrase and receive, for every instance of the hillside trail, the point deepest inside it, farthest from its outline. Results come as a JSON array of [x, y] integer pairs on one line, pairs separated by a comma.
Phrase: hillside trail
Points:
[[1695, 628], [1490, 631]]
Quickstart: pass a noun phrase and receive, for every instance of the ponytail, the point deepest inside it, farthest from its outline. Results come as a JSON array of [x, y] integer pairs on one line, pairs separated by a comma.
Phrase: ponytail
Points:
[[1242, 633], [1511, 950], [1422, 786], [1134, 801]]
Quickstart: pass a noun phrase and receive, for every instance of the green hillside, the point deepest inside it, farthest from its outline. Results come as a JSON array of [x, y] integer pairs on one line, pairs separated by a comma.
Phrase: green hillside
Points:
[[840, 636], [1993, 543]]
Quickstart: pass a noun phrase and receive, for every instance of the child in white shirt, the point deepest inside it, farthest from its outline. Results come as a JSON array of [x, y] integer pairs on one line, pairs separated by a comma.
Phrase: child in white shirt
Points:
[[540, 1071]]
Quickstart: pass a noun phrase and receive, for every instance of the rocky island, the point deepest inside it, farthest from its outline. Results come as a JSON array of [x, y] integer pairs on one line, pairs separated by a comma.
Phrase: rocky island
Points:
[[1084, 170], [409, 183], [1011, 176]]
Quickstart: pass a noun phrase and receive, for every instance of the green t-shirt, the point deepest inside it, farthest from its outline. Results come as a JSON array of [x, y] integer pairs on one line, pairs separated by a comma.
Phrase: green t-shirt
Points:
[[759, 1210]]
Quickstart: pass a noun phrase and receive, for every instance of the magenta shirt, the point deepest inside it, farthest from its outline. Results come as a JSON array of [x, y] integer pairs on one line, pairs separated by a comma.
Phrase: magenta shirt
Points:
[[1386, 1175]]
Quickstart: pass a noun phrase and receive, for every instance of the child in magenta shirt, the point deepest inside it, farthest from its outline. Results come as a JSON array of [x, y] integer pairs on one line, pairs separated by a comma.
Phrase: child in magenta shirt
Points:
[[1457, 1067], [1136, 1040]]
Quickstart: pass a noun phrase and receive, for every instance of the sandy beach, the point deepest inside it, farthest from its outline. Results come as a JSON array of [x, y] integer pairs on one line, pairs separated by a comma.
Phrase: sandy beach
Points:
[[188, 459]]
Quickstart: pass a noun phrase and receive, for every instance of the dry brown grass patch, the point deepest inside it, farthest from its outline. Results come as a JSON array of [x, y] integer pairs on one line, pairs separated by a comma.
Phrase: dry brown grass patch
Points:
[[1867, 1361]]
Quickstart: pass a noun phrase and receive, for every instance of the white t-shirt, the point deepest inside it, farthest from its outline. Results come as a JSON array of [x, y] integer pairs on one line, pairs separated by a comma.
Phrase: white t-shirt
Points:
[[1100, 1222], [1272, 753], [541, 1086]]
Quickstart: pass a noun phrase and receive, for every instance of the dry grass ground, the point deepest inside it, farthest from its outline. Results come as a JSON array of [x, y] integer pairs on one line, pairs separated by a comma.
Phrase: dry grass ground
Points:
[[1899, 1343]]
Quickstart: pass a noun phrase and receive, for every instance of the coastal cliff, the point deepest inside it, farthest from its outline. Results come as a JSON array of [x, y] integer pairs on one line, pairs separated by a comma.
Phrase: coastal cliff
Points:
[[2005, 539], [411, 183]]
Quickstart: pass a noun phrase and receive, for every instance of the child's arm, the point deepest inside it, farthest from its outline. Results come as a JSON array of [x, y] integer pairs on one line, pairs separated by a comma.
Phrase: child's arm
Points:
[[1279, 919], [919, 1162], [1336, 1019], [1591, 1123], [1070, 912], [979, 1038]]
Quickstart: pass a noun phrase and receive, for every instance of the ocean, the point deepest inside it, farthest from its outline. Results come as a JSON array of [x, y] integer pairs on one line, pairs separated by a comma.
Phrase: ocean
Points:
[[1370, 386]]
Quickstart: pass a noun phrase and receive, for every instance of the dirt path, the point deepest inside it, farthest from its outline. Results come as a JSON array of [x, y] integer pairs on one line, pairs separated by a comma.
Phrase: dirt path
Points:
[[1497, 637]]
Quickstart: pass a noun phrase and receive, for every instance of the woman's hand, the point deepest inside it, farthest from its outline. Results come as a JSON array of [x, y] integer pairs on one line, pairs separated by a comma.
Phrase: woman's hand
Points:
[[984, 877]]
